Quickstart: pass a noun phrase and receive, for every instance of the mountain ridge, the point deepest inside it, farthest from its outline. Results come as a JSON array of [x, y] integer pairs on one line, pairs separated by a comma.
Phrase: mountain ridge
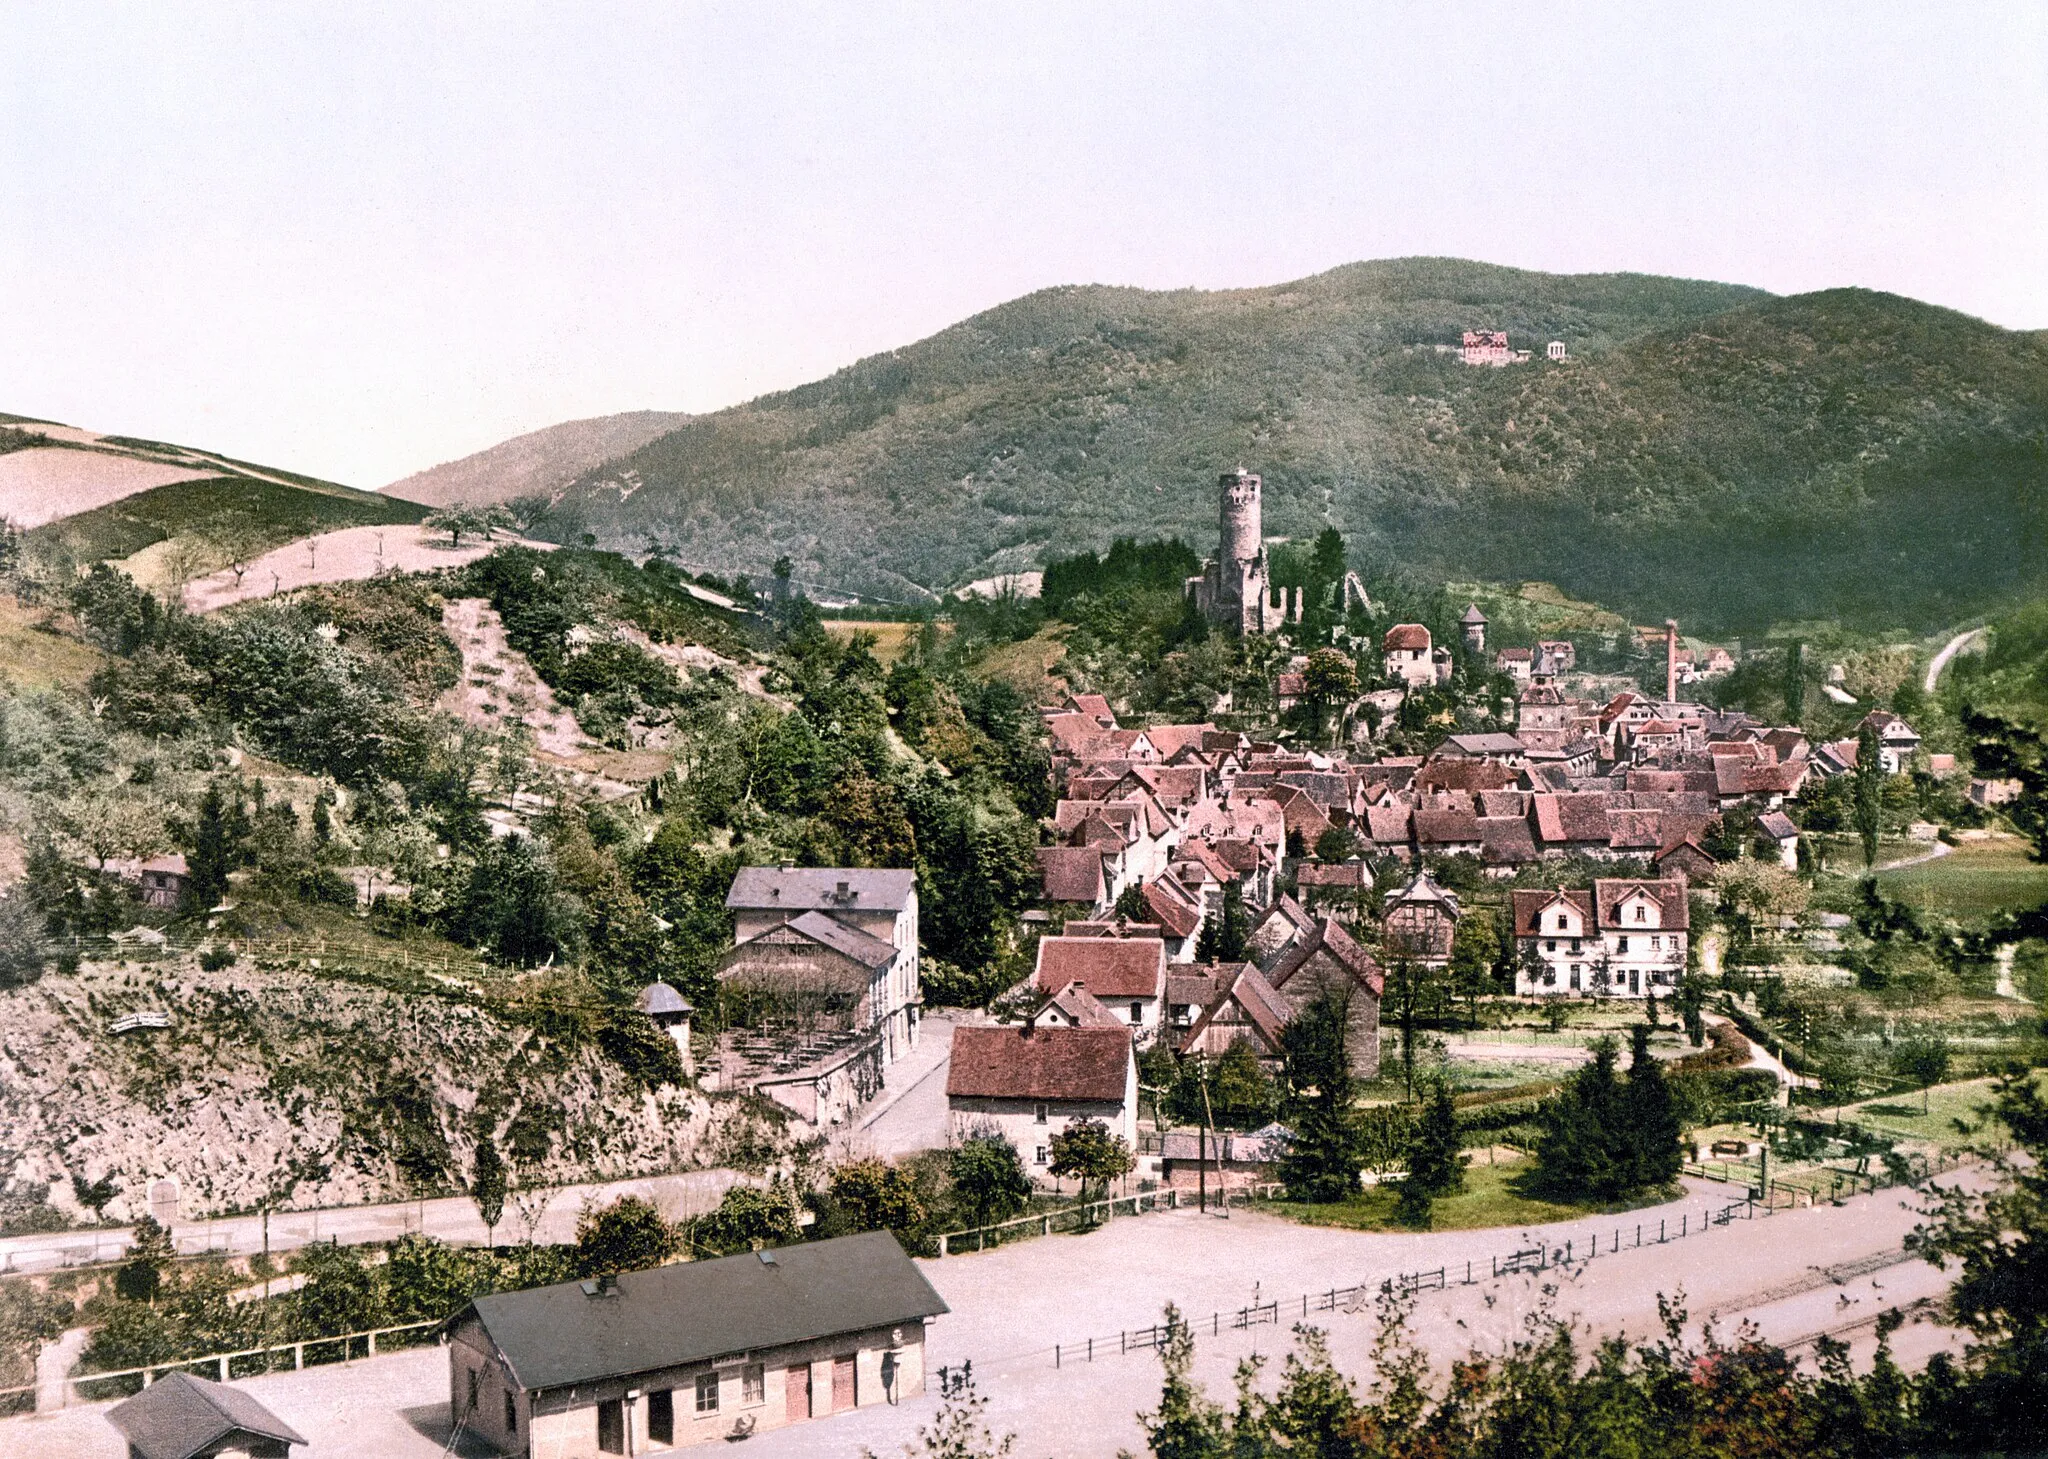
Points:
[[1665, 465], [537, 462]]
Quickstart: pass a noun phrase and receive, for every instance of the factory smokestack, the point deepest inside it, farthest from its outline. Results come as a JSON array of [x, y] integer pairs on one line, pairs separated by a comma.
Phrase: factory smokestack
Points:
[[1670, 659]]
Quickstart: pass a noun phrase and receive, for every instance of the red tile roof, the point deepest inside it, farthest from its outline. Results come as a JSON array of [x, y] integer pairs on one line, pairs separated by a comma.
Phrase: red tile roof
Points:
[[1072, 873], [1112, 967], [1023, 1062], [1405, 636]]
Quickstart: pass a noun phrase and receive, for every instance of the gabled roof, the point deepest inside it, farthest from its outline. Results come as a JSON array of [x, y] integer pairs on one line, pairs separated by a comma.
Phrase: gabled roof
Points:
[[1245, 988], [1072, 873], [1530, 906], [1329, 936], [1344, 875], [1410, 637], [1095, 706], [179, 1416], [1611, 893], [1506, 841], [1112, 967], [801, 888], [1081, 1007], [569, 1333], [1026, 1062], [1177, 914], [1422, 889], [1777, 825]]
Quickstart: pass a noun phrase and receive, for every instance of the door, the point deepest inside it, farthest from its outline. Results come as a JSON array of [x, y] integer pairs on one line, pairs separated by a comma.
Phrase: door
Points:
[[843, 1395], [611, 1427], [797, 1404]]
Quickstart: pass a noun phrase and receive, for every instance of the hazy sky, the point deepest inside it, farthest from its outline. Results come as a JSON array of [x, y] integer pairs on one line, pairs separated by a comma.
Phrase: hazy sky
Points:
[[356, 240]]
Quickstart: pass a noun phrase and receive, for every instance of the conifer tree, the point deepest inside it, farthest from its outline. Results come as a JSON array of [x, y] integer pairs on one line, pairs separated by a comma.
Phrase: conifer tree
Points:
[[1869, 791], [1224, 936], [1654, 1130], [1436, 1160], [1323, 1159]]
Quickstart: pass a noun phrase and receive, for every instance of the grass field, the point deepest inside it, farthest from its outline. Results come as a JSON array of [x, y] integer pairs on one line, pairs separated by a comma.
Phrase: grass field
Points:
[[892, 640], [1492, 1197], [1975, 881], [1901, 1114], [33, 659], [272, 513]]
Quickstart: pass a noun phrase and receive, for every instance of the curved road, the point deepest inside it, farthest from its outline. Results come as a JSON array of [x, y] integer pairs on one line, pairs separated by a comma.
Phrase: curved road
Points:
[[1948, 651]]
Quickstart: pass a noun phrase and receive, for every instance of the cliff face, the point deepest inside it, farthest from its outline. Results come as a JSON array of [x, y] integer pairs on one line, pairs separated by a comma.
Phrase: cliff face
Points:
[[300, 1089]]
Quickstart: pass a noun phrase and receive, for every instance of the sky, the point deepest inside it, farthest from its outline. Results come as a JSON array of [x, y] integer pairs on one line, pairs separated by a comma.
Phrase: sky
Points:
[[357, 240]]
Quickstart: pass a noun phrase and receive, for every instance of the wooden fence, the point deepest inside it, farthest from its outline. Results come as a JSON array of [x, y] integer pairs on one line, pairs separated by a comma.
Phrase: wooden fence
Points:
[[1084, 1217]]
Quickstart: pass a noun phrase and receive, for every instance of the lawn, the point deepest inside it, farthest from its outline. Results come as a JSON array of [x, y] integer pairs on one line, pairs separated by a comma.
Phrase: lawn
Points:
[[1975, 881], [1900, 1114], [892, 640], [36, 659], [1491, 1198]]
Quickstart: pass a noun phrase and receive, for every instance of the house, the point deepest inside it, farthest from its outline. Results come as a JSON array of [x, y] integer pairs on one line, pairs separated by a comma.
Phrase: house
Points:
[[1778, 827], [1127, 974], [1338, 885], [858, 936], [1420, 922], [1562, 653], [1503, 748], [1028, 1081], [1325, 959], [1621, 939], [1988, 793], [1685, 858], [1897, 744], [183, 1417], [1224, 1161], [1515, 663], [1242, 1008], [1719, 662], [164, 880], [692, 1353], [1406, 655]]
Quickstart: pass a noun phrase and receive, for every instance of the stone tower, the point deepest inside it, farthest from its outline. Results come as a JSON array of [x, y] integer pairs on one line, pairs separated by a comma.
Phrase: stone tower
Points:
[[1233, 589], [1474, 625]]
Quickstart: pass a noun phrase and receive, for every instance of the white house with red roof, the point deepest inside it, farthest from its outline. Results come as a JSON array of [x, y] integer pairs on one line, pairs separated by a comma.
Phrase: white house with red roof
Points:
[[1623, 938]]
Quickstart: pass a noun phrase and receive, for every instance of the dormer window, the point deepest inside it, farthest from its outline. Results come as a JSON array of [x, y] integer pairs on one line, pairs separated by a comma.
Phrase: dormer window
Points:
[[1642, 913]]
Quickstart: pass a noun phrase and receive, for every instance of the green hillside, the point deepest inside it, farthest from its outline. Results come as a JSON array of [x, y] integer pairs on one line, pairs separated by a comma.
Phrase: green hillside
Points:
[[267, 513], [1707, 450]]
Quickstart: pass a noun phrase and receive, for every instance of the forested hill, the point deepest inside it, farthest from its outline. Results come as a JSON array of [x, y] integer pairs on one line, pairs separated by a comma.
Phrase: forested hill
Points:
[[1707, 450]]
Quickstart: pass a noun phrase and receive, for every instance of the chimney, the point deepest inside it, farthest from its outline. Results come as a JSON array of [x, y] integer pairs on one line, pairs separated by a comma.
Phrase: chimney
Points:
[[1670, 659], [845, 892]]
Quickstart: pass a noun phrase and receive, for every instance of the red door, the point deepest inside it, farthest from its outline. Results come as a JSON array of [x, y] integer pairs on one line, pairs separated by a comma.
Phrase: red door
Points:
[[843, 1396], [797, 1405]]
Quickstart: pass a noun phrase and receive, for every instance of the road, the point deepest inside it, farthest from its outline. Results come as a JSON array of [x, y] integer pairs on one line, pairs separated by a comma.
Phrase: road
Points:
[[544, 1216], [1948, 651], [1794, 1273]]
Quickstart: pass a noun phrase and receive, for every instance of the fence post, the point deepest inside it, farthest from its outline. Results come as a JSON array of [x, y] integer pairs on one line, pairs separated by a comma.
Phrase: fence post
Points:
[[373, 1344], [1091, 1349], [942, 1245], [298, 1355], [1055, 1355]]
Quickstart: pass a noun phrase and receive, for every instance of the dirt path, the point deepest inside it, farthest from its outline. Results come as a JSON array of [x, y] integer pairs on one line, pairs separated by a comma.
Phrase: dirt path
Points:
[[1933, 853], [499, 686], [1948, 651]]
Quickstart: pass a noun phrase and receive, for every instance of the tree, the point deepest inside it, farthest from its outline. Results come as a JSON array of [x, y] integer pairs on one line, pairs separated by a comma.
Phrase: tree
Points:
[[1869, 792], [1323, 1159], [1436, 1158], [1335, 844], [1652, 1126], [477, 521], [959, 1430], [628, 1235], [1225, 935], [1130, 903], [988, 1175], [1410, 993], [488, 1186], [1924, 1059], [1087, 1151], [1242, 1092], [1691, 1000], [341, 1294], [1330, 678], [95, 1195], [1475, 949], [749, 1218], [1795, 682], [1997, 1240], [217, 835], [873, 1195], [1582, 1152], [150, 1255]]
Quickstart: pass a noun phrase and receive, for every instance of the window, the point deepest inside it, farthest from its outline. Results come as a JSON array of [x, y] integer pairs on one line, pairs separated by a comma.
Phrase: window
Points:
[[611, 1427], [1551, 945], [661, 1416], [1561, 923], [1038, 1114], [753, 1385], [474, 1375], [1656, 944], [1041, 1154], [511, 1414], [1137, 1013], [1550, 977], [1575, 945], [707, 1393], [1642, 913], [1621, 944]]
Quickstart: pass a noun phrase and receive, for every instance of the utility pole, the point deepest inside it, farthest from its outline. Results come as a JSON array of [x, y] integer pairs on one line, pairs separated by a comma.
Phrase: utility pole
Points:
[[1209, 1129]]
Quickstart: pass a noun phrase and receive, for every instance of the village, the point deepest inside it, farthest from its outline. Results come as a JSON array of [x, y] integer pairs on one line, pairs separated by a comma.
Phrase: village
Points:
[[1210, 901]]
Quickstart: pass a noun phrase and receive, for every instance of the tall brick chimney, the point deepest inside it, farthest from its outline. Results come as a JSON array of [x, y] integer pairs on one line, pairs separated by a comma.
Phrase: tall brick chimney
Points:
[[1670, 659]]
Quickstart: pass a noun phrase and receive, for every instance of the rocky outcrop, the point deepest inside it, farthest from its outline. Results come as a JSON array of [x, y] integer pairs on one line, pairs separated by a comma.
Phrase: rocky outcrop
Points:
[[302, 1088]]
